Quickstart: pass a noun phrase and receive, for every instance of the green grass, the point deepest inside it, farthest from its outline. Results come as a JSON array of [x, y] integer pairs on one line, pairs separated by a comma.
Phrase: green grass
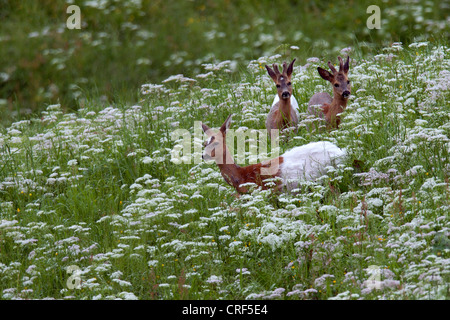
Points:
[[97, 188]]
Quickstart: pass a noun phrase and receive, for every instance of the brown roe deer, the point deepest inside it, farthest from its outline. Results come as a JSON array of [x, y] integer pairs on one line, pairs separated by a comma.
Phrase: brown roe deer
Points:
[[307, 162], [282, 115], [329, 108]]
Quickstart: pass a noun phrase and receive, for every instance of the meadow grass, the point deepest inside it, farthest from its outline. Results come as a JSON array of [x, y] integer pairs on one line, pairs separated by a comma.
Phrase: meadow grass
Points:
[[99, 189]]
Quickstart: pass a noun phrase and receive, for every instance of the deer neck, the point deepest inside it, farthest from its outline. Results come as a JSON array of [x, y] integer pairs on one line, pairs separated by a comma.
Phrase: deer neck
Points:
[[229, 169], [235, 175], [338, 104], [285, 108]]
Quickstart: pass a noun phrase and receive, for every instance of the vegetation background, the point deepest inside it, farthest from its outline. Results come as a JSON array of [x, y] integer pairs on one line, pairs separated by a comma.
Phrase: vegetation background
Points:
[[94, 206]]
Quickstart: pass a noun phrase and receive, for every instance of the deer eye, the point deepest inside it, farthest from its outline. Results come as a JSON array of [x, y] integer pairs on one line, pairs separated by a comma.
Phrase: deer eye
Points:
[[208, 142], [336, 85], [278, 86], [348, 81], [289, 83]]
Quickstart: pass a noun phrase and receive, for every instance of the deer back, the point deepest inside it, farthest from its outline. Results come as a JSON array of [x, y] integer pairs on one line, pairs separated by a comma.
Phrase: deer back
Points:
[[318, 99]]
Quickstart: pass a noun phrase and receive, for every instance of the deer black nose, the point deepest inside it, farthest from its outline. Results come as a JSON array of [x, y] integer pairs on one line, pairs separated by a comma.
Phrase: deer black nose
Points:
[[285, 95], [346, 94]]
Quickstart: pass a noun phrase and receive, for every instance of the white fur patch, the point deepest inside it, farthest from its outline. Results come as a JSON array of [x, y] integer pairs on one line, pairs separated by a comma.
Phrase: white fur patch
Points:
[[308, 162], [294, 104]]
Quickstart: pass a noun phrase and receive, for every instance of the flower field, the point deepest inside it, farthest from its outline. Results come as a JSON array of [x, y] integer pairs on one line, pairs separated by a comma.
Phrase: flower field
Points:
[[95, 206]]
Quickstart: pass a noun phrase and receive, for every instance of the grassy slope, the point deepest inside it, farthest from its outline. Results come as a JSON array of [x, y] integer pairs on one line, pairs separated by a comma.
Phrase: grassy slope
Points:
[[97, 189]]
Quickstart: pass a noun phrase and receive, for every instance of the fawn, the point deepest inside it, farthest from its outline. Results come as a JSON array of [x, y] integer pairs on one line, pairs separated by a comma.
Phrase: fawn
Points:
[[283, 113], [306, 162], [331, 107]]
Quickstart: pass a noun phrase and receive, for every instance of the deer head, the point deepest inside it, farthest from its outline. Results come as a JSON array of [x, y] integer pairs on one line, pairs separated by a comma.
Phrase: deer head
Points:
[[282, 80], [215, 147], [338, 79]]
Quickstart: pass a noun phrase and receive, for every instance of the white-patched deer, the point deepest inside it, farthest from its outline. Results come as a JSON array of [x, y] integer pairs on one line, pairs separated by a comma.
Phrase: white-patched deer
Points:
[[306, 162], [283, 113], [329, 108]]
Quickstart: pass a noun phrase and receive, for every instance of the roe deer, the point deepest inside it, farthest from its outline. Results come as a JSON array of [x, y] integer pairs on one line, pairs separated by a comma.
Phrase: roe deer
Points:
[[331, 107], [306, 162], [283, 113]]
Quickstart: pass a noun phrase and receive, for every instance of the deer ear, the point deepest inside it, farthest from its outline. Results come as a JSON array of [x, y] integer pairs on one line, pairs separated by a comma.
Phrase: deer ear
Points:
[[271, 73], [347, 64], [326, 75], [226, 124], [205, 127], [290, 68]]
